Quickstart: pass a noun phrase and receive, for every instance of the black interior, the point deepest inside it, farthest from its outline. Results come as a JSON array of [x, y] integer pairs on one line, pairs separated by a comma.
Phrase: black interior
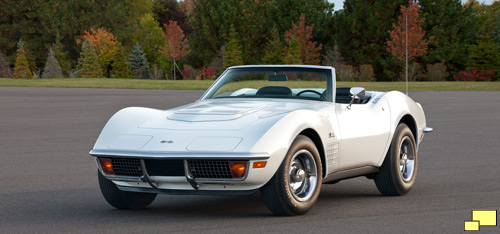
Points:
[[274, 90], [343, 95]]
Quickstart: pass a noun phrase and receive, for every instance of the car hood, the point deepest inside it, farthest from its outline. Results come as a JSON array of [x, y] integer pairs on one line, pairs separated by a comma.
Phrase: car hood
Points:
[[222, 114]]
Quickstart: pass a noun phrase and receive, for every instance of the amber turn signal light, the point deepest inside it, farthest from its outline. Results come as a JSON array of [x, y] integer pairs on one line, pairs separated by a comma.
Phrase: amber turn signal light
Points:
[[238, 169], [106, 166], [259, 164]]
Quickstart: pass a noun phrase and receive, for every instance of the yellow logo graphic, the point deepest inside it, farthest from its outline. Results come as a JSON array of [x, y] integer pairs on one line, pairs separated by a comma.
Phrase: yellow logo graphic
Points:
[[481, 218]]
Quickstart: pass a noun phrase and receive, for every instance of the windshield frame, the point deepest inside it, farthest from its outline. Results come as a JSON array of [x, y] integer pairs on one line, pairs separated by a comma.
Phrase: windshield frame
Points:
[[328, 71]]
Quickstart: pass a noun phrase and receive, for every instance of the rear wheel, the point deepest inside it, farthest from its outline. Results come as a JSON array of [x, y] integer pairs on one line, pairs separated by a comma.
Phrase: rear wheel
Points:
[[397, 174], [121, 199], [295, 187]]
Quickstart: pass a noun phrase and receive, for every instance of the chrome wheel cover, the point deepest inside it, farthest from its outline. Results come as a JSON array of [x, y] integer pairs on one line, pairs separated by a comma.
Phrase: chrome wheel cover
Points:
[[406, 159], [302, 175]]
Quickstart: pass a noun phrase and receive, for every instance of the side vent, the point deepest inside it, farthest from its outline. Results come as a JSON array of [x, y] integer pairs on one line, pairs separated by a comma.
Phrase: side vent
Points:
[[332, 152]]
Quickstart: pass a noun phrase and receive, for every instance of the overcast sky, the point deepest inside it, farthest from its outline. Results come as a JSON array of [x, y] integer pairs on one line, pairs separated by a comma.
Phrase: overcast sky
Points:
[[339, 4]]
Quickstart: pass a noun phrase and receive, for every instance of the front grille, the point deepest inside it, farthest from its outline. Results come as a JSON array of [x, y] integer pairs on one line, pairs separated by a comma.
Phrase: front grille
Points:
[[210, 169], [126, 167]]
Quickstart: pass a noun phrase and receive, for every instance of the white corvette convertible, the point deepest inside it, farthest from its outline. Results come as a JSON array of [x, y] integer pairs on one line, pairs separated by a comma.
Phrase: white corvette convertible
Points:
[[285, 130]]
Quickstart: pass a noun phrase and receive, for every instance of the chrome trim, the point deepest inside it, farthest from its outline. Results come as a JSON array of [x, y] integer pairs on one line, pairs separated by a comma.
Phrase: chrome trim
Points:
[[428, 129], [189, 177], [188, 192], [145, 176], [115, 177], [179, 155]]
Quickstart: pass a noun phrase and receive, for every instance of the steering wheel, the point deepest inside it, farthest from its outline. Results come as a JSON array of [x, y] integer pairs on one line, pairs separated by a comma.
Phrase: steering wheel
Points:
[[311, 91]]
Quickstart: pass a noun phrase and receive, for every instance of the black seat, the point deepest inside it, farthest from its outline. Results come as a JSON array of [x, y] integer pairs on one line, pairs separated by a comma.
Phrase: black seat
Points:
[[343, 95], [274, 90]]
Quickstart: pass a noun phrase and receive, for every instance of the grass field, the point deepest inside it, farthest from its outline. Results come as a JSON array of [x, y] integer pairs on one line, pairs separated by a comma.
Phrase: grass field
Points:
[[204, 84]]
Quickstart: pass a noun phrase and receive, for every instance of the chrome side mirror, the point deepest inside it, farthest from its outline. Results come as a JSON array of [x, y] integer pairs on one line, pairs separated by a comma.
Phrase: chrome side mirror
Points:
[[356, 93]]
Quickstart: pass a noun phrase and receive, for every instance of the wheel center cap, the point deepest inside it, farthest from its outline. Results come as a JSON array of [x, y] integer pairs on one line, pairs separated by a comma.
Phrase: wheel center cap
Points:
[[404, 158], [299, 175]]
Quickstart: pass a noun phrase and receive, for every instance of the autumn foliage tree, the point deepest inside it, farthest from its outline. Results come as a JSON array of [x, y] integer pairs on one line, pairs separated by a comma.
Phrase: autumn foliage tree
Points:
[[309, 50], [408, 21], [176, 43], [104, 44]]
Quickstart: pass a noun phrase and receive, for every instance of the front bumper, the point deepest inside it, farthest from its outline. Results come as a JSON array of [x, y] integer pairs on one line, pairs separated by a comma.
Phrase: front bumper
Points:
[[143, 181]]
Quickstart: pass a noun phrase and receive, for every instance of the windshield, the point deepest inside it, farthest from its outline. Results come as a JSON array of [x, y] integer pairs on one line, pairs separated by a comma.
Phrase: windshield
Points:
[[273, 82]]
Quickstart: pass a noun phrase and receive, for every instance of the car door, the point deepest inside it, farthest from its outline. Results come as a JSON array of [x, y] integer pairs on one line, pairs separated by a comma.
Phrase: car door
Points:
[[364, 133]]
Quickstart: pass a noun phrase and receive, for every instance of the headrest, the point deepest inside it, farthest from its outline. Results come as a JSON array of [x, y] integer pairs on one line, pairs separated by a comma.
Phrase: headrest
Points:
[[274, 90]]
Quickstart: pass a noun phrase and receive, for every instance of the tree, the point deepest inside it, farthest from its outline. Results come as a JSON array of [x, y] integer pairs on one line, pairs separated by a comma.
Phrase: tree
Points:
[[4, 67], [451, 27], [176, 44], [406, 40], [104, 44], [150, 36], [233, 51], [168, 10], [62, 56], [309, 50], [275, 53], [52, 68], [361, 33], [293, 52], [88, 62], [21, 69], [409, 25], [120, 66], [484, 56], [138, 63], [332, 57], [213, 19], [187, 6], [495, 33], [39, 22]]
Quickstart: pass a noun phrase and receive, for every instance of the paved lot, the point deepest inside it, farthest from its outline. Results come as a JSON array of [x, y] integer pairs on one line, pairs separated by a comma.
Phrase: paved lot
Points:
[[48, 183]]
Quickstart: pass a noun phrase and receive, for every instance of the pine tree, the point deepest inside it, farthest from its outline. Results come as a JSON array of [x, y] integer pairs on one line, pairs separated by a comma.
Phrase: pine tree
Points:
[[293, 53], [88, 62], [361, 30], [450, 28], [4, 67], [274, 50], [62, 57], [52, 68], [120, 66], [22, 69], [233, 51], [139, 63], [484, 56]]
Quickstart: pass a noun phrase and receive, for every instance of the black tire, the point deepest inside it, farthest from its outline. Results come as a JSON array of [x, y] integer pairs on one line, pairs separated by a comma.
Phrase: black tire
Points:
[[121, 199], [397, 174], [278, 194]]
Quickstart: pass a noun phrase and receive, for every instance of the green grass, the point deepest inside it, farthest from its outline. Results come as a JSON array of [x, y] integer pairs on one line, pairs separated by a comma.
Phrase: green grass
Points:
[[204, 84]]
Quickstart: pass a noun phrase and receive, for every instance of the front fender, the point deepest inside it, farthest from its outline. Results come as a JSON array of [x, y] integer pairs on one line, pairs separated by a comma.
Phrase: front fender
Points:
[[121, 122], [277, 140]]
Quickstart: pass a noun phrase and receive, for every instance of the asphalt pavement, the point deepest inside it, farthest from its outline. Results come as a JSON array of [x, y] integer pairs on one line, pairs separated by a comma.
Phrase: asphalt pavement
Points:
[[48, 182]]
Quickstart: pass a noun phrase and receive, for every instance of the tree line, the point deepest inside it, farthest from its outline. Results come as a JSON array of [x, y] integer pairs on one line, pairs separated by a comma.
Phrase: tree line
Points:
[[198, 39]]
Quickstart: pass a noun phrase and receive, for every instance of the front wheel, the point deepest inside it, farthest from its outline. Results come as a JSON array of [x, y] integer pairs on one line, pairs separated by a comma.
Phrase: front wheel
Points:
[[397, 174], [295, 187], [121, 199]]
